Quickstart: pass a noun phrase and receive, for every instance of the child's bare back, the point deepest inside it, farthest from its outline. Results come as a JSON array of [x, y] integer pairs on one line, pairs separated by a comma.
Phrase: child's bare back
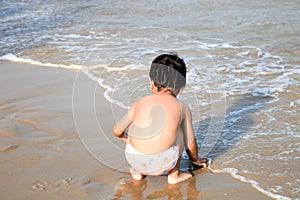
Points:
[[156, 123]]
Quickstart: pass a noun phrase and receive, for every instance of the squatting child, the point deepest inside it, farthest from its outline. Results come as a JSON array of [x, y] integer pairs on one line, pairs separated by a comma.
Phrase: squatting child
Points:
[[159, 125]]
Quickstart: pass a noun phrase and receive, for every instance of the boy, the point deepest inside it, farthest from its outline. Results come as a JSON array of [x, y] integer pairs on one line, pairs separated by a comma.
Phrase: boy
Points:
[[159, 125]]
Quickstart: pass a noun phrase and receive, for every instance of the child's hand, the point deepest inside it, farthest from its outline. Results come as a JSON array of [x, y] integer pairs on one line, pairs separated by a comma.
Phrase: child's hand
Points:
[[202, 162]]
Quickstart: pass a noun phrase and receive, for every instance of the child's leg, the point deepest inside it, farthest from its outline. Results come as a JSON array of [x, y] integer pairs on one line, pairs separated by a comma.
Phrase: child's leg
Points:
[[175, 175]]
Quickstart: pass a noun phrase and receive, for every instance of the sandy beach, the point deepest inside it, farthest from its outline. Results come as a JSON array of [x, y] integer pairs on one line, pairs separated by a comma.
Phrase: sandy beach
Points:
[[43, 157]]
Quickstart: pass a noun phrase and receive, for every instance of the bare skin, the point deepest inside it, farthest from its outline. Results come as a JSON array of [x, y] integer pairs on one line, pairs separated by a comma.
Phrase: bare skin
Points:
[[156, 122]]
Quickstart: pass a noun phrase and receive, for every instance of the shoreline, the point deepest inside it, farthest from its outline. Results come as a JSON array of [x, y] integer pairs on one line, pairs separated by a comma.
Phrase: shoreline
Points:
[[52, 144]]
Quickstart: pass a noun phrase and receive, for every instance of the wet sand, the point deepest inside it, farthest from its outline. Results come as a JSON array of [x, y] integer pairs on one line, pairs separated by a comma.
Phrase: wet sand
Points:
[[43, 157]]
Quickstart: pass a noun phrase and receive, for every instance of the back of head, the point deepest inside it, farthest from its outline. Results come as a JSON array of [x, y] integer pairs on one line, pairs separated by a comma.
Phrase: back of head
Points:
[[168, 71]]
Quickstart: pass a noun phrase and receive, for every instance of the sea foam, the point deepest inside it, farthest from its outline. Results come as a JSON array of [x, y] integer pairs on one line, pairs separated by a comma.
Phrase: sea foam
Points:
[[14, 58], [234, 173]]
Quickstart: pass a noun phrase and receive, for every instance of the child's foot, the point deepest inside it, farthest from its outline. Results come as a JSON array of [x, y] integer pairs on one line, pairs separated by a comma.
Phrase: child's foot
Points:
[[135, 175], [178, 177]]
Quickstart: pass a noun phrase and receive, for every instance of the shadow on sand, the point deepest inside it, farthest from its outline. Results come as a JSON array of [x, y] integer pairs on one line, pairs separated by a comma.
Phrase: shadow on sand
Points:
[[237, 121]]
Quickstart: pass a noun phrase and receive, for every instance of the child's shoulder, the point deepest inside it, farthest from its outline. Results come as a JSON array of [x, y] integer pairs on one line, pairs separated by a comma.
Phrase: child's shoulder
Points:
[[142, 100]]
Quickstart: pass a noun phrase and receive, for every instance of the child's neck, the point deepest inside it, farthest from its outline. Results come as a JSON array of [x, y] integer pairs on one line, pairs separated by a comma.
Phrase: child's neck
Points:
[[163, 92]]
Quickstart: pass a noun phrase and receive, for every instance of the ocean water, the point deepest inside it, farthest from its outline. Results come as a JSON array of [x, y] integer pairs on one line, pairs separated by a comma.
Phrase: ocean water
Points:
[[243, 58]]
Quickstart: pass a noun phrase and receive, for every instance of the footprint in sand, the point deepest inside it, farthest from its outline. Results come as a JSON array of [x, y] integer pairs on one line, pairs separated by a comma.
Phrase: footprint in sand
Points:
[[85, 180], [9, 148], [48, 185]]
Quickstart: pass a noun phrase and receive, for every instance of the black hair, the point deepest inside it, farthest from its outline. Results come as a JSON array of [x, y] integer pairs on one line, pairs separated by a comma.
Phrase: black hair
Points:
[[168, 72]]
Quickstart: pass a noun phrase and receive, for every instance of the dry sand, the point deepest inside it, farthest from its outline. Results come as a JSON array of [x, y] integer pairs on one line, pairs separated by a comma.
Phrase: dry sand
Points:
[[43, 157]]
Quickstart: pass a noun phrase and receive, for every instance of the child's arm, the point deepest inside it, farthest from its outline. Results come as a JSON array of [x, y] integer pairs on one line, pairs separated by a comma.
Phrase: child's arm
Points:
[[123, 124], [189, 136]]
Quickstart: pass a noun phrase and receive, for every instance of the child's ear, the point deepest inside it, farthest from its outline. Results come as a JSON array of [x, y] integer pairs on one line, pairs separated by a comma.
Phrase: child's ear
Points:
[[151, 84]]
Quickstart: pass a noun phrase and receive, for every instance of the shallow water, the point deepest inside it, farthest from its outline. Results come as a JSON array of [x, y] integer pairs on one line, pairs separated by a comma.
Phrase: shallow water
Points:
[[242, 57]]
